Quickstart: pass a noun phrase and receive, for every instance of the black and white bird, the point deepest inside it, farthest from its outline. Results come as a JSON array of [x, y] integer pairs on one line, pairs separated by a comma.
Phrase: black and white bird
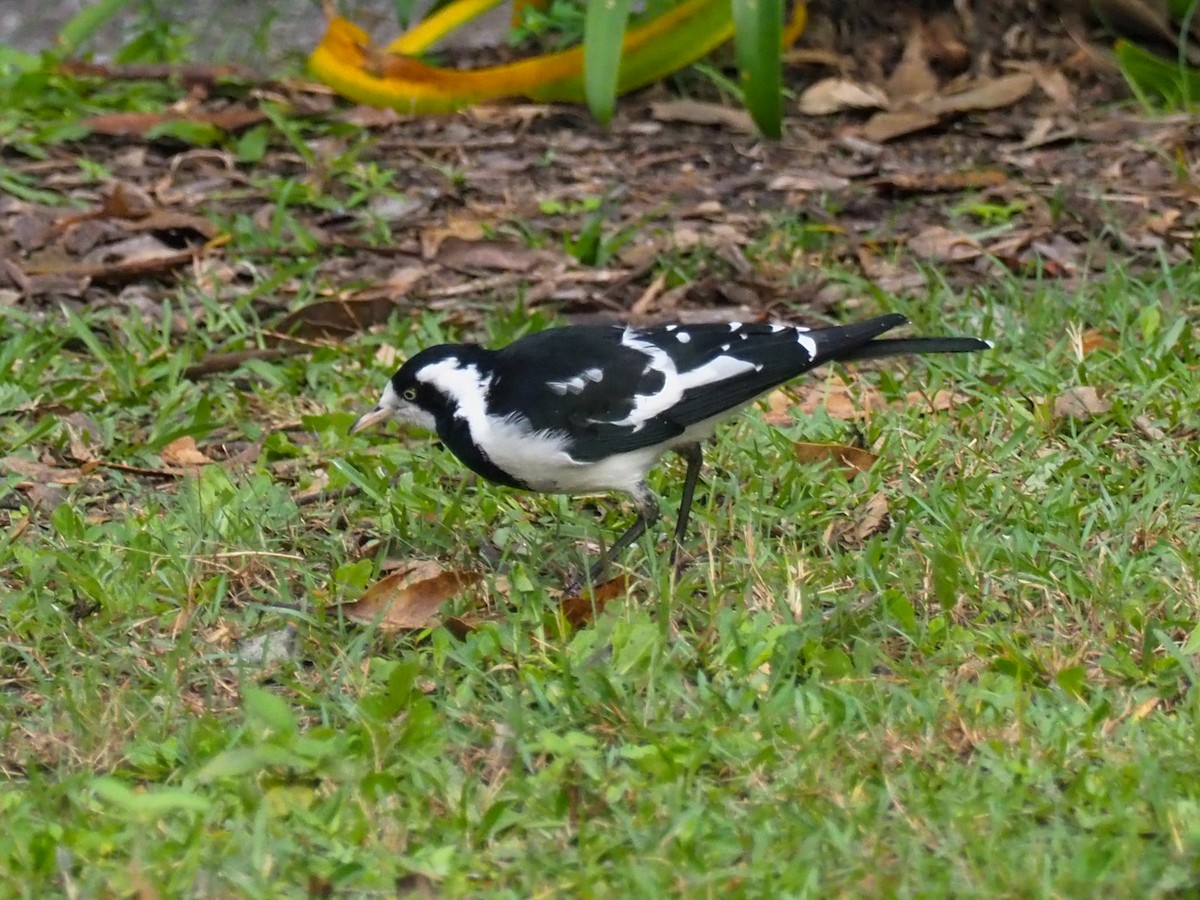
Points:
[[583, 409]]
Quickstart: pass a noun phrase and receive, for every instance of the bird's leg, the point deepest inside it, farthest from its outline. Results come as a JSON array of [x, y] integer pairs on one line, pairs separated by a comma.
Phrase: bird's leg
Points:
[[647, 510], [694, 457]]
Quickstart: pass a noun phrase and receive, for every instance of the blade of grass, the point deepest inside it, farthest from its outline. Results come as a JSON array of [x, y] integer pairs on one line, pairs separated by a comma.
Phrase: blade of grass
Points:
[[603, 38], [758, 32]]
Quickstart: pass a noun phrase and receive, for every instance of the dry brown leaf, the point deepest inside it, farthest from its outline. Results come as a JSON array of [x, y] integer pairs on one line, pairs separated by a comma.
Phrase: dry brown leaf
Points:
[[696, 112], [183, 453], [873, 517], [1094, 339], [1149, 429], [1080, 402], [832, 95], [840, 400], [888, 125], [493, 255], [984, 94], [1055, 85], [806, 180], [40, 473], [336, 319], [940, 244], [409, 598], [462, 227], [849, 460], [869, 519], [581, 610], [137, 124], [142, 263], [933, 182], [940, 401], [913, 77]]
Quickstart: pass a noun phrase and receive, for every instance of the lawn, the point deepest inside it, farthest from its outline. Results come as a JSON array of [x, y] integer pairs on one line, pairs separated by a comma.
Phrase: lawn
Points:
[[966, 671]]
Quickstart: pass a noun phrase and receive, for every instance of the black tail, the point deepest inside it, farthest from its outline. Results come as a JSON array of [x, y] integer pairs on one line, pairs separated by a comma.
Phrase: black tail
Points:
[[873, 349]]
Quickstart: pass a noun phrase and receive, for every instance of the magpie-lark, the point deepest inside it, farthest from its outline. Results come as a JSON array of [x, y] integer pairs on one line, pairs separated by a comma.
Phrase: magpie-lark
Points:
[[591, 408]]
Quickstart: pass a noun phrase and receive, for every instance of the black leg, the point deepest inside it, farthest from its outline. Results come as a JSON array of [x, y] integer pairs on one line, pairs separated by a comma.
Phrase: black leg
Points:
[[694, 456], [647, 508]]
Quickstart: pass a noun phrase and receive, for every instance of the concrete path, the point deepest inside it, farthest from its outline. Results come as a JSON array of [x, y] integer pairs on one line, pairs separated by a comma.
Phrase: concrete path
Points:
[[223, 30]]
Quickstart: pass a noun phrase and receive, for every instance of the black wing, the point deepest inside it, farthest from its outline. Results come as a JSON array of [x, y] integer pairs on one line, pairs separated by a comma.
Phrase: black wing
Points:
[[579, 381], [617, 389]]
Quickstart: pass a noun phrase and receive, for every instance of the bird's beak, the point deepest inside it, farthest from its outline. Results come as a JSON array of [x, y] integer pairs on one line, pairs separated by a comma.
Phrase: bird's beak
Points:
[[368, 420]]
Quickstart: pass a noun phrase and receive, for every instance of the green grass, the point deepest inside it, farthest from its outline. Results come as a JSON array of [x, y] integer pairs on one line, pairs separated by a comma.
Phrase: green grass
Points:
[[993, 697]]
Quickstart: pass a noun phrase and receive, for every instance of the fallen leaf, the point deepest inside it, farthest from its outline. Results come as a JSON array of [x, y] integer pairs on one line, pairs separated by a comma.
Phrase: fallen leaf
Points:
[[1094, 339], [832, 95], [581, 609], [40, 473], [183, 453], [872, 518], [806, 180], [83, 436], [139, 124], [941, 244], [696, 112], [933, 181], [492, 255], [1149, 429], [869, 519], [1080, 402], [336, 319], [888, 125], [913, 77], [1055, 85], [409, 598], [984, 94], [851, 460], [841, 400], [940, 401], [467, 228]]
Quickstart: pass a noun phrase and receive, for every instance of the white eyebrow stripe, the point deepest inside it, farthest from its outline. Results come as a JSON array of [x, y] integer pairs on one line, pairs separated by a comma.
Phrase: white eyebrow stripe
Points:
[[462, 384]]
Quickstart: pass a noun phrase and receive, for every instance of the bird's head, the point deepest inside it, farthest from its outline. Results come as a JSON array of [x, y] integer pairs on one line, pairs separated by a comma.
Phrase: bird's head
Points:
[[420, 393]]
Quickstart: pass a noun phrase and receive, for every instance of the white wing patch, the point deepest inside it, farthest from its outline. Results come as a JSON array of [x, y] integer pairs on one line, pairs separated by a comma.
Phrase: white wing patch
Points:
[[683, 337], [577, 384], [809, 345], [675, 383]]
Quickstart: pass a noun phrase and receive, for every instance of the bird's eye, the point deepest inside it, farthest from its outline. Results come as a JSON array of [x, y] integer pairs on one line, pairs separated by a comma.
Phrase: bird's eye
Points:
[[410, 394]]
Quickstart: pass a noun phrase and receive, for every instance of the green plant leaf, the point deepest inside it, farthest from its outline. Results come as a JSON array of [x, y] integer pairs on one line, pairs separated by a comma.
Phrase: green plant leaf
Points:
[[758, 33], [1156, 80], [153, 802], [233, 763], [603, 34], [268, 710]]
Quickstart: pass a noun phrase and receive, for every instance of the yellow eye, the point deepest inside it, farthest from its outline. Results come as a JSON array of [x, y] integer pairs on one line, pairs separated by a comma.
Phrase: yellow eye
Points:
[[410, 394]]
